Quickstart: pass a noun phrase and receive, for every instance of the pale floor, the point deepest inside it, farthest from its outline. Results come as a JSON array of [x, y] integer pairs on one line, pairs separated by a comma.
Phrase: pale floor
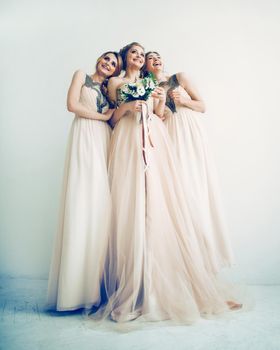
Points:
[[24, 325]]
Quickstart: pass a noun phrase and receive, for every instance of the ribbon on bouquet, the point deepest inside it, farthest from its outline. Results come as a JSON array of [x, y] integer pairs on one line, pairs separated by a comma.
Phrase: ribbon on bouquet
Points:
[[144, 118]]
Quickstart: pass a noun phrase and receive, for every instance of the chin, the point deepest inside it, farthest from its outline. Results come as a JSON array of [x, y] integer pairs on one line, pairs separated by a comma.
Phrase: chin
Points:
[[106, 73], [137, 65]]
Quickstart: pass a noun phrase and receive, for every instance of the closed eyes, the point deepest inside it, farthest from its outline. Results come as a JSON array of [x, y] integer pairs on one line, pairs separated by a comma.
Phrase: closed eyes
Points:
[[154, 57]]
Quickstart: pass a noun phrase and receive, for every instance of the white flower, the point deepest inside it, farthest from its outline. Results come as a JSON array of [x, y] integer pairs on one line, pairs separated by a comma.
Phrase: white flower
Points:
[[141, 90], [125, 89]]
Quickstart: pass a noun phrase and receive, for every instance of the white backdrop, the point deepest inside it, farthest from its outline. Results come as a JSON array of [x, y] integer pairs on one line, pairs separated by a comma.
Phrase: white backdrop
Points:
[[231, 51]]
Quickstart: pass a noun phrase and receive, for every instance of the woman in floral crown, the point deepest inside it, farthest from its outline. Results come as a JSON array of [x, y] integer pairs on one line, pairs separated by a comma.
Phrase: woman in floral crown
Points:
[[81, 244], [183, 119], [156, 270]]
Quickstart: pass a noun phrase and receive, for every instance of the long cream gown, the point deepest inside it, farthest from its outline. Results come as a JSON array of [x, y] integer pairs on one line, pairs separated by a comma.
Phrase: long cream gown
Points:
[[157, 270], [186, 130], [81, 243]]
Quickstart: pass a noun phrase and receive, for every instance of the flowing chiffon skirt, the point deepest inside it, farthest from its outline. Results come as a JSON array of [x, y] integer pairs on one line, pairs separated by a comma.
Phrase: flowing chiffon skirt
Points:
[[186, 130], [81, 243], [156, 268]]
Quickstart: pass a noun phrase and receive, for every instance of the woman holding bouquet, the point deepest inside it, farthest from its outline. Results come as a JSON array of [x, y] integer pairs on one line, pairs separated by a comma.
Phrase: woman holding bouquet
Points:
[[156, 269], [183, 120], [82, 237]]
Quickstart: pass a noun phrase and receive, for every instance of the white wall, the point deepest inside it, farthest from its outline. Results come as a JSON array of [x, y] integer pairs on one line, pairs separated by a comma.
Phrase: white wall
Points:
[[230, 49]]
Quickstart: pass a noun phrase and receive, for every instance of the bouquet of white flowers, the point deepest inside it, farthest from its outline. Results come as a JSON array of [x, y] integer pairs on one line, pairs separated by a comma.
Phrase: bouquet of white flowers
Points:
[[141, 90]]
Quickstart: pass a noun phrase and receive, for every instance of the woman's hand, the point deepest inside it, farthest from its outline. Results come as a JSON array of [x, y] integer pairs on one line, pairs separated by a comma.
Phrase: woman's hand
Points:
[[109, 113], [159, 101], [135, 106], [177, 96], [124, 109], [159, 93], [195, 101]]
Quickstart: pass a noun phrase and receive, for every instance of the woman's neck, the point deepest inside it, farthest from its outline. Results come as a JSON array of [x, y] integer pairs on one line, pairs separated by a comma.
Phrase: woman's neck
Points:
[[97, 77], [160, 76], [132, 74]]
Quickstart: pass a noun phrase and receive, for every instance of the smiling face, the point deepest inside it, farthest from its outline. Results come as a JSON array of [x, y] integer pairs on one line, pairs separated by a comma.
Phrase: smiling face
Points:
[[107, 65], [135, 57], [154, 62]]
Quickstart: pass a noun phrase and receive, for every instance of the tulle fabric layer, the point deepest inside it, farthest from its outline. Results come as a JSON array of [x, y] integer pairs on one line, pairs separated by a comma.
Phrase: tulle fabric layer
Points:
[[199, 177], [75, 279], [156, 269]]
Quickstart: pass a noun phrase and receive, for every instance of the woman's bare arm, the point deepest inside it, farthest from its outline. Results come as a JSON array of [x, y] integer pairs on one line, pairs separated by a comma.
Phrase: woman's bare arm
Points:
[[73, 100], [195, 103], [159, 101]]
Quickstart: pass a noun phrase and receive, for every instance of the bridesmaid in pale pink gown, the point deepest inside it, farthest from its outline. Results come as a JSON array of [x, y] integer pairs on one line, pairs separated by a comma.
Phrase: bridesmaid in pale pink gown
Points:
[[183, 119], [81, 243], [156, 267]]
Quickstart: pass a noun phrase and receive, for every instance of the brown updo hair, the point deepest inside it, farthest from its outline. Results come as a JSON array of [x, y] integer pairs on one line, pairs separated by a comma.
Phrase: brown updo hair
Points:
[[119, 62], [123, 52]]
